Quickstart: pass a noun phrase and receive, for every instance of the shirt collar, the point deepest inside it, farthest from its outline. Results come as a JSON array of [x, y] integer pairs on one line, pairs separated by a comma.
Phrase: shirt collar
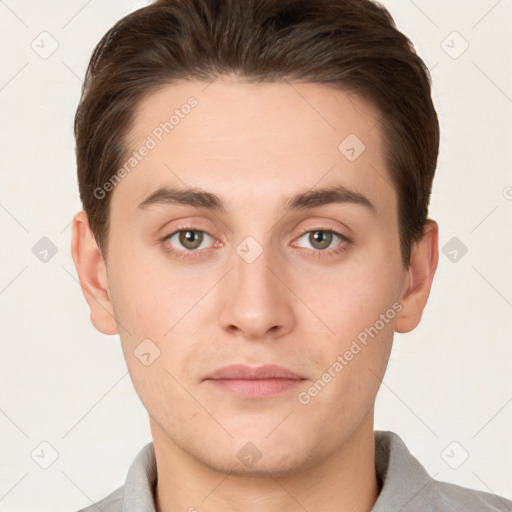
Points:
[[140, 482], [403, 478]]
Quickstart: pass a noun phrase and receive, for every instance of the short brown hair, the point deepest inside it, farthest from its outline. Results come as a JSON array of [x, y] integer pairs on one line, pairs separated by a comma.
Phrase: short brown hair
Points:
[[352, 44]]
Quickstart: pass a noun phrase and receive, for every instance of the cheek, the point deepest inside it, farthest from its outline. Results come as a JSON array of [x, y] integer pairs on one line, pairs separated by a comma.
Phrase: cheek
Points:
[[350, 367], [165, 312], [150, 296], [352, 299], [359, 305]]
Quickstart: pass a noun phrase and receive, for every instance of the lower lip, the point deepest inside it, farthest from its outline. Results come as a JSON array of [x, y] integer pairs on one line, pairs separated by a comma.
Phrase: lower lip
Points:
[[255, 388]]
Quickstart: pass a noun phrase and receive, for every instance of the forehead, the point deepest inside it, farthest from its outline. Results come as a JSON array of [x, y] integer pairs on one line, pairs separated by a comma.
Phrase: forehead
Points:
[[246, 141]]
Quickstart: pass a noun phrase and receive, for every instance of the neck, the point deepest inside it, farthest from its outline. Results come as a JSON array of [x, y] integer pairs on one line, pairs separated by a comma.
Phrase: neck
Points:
[[346, 480]]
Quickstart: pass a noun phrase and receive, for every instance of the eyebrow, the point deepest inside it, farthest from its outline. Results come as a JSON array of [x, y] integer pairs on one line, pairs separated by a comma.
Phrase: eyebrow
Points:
[[302, 201]]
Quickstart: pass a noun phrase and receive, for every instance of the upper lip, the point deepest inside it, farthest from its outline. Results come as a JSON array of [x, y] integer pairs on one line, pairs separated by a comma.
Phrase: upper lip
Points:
[[240, 371]]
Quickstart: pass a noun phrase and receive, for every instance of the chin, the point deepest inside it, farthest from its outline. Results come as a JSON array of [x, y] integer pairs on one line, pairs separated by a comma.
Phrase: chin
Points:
[[260, 455], [275, 465]]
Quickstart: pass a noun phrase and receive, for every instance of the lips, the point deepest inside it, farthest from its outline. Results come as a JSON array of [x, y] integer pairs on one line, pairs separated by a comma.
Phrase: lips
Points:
[[242, 372], [248, 382]]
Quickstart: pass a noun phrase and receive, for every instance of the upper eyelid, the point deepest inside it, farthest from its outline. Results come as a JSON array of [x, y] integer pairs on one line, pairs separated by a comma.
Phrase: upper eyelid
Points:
[[343, 238], [327, 230], [176, 231]]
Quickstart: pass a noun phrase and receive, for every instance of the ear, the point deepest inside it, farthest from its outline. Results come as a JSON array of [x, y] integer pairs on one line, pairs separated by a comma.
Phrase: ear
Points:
[[416, 289], [92, 274]]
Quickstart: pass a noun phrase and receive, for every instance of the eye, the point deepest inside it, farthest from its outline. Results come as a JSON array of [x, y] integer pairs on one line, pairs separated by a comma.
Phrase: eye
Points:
[[185, 240], [321, 239]]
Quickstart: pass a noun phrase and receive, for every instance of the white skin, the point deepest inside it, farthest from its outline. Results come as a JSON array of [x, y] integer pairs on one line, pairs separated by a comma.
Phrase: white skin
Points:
[[298, 304]]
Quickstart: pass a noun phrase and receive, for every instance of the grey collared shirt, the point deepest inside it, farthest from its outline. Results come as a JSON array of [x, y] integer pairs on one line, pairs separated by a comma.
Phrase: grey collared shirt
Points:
[[406, 486]]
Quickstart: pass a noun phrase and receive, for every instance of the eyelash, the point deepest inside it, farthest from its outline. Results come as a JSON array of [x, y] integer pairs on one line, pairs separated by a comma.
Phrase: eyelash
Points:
[[187, 254], [345, 241]]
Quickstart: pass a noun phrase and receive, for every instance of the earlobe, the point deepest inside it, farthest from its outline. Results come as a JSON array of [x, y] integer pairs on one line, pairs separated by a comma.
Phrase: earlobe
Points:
[[92, 275], [422, 267]]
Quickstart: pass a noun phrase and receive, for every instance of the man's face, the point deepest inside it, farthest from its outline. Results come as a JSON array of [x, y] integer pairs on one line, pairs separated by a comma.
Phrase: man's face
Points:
[[265, 284]]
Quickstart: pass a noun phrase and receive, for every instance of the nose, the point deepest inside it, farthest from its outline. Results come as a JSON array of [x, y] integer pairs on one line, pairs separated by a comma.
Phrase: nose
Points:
[[257, 303]]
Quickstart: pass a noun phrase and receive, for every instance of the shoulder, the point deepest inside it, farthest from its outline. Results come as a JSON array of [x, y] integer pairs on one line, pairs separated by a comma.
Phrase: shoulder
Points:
[[137, 491], [457, 498], [112, 503], [409, 488]]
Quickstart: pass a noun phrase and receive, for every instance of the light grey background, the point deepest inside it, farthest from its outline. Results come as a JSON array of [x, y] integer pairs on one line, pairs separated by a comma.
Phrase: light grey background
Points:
[[447, 391]]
